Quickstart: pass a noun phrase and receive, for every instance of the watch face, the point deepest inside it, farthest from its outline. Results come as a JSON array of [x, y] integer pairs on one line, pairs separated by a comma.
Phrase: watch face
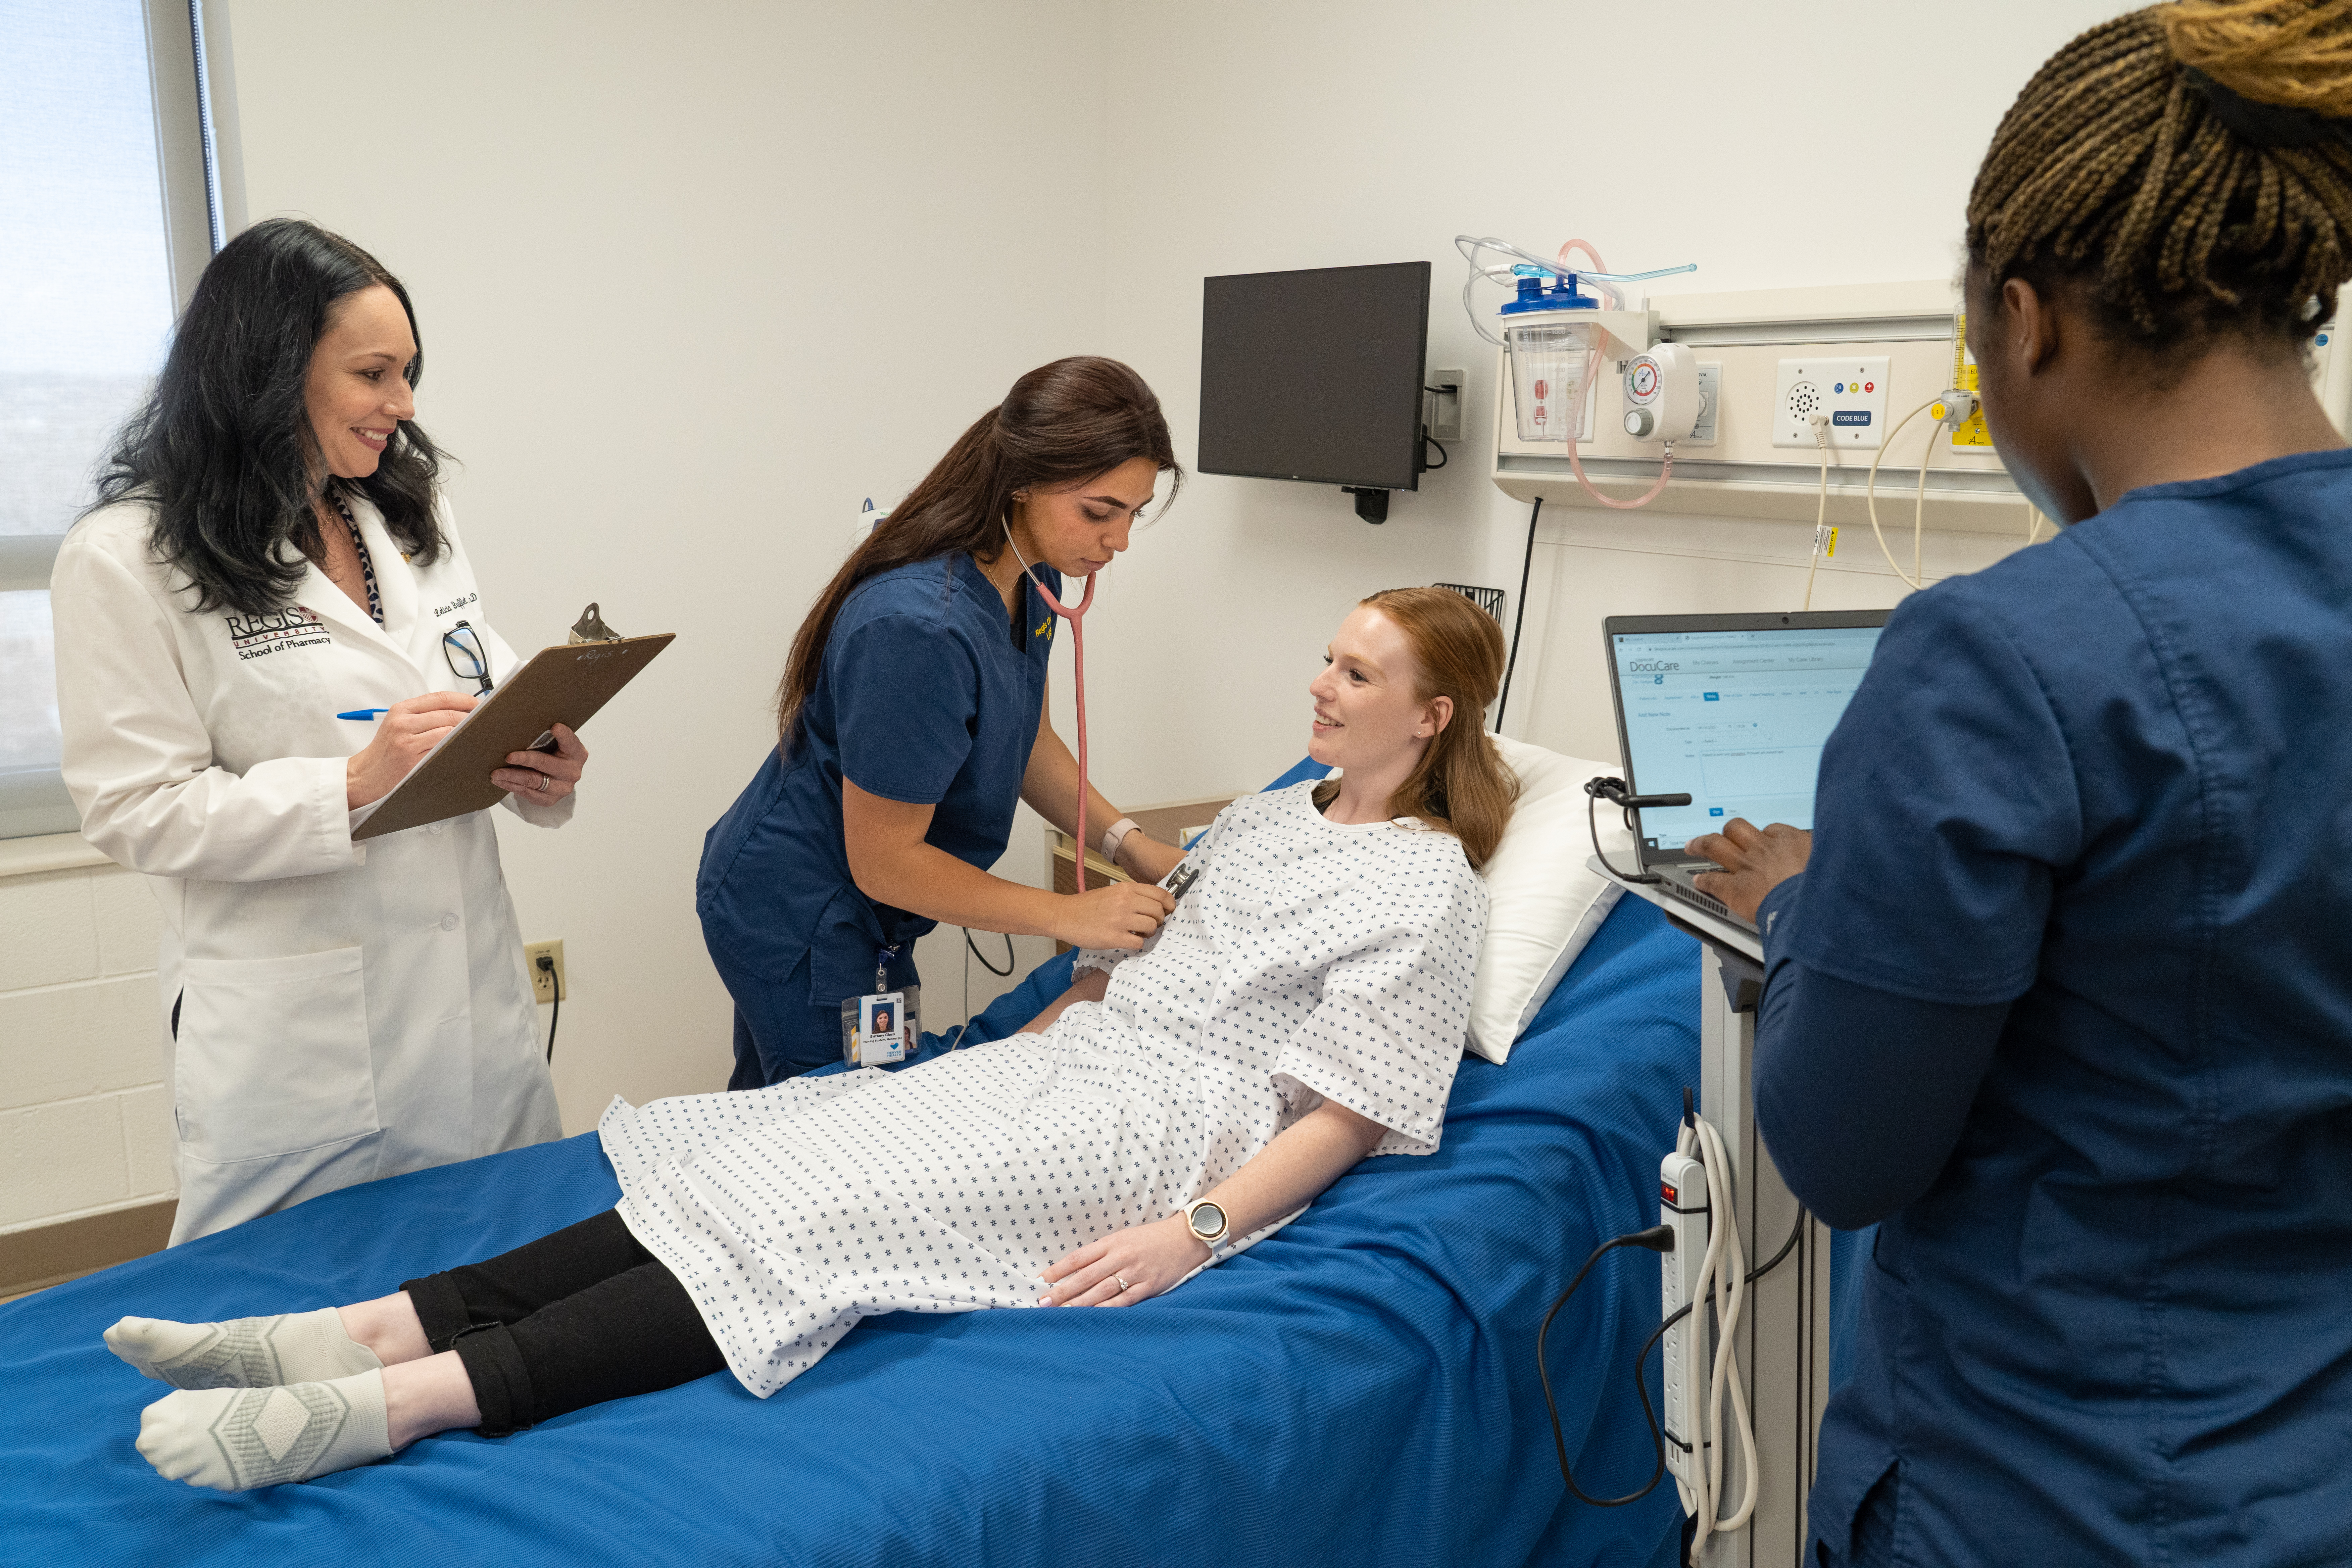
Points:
[[1208, 1221]]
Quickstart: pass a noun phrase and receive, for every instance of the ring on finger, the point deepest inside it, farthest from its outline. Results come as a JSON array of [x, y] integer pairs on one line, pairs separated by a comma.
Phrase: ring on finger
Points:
[[1123, 1286]]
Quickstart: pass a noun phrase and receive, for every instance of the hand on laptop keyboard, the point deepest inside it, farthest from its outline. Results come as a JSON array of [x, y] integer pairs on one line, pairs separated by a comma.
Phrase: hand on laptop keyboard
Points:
[[1754, 861]]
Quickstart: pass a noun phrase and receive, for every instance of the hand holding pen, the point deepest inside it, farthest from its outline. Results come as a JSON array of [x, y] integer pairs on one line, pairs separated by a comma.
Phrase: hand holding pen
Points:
[[408, 729]]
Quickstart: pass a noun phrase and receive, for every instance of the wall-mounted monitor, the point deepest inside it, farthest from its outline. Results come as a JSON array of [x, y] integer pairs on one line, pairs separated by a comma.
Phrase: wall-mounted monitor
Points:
[[1317, 376]]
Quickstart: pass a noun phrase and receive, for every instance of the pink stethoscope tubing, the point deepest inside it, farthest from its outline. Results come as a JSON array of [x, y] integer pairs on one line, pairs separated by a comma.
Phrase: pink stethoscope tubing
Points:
[[1078, 654]]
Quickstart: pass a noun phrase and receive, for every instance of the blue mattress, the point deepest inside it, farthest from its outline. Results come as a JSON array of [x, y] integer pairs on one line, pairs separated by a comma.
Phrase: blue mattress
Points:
[[1358, 1389]]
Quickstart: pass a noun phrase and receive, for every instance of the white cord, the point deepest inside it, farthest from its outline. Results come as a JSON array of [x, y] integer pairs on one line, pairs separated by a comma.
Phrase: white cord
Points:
[[1919, 516], [2033, 522], [1820, 514], [1724, 1270], [1919, 504]]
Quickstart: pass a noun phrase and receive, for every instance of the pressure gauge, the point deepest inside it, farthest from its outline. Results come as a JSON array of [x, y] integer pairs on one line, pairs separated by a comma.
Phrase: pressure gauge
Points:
[[1662, 397]]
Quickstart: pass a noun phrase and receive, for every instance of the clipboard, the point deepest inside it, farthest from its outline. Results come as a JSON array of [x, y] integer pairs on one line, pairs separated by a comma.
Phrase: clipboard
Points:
[[554, 685]]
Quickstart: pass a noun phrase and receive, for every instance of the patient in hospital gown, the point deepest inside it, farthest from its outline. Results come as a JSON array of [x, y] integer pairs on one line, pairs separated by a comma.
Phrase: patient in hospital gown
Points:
[[1304, 1004], [1312, 961]]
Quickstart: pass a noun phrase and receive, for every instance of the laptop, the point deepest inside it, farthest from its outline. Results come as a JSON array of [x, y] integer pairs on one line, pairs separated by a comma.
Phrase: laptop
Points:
[[1732, 710]]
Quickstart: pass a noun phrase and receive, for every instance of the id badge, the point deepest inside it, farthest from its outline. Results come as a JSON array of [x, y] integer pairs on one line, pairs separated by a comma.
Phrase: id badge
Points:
[[880, 1029]]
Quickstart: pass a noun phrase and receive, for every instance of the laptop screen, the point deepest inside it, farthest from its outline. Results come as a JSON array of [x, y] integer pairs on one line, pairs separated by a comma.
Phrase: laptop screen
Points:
[[1735, 719]]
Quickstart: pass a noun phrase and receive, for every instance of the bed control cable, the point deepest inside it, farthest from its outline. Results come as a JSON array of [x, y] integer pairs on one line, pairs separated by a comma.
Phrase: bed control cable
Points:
[[1660, 1239]]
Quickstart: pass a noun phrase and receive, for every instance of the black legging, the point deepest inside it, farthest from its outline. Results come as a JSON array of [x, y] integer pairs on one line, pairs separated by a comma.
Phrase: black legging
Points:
[[571, 1320]]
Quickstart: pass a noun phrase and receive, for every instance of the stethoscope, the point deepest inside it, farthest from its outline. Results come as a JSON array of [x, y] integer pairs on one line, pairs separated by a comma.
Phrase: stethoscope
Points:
[[1079, 651]]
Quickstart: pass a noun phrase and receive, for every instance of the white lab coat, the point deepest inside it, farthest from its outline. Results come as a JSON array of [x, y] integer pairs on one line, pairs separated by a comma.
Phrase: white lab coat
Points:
[[344, 1011]]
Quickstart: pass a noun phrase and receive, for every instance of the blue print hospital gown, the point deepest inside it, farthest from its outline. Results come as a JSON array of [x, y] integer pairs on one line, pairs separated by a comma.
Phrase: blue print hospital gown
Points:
[[1313, 960]]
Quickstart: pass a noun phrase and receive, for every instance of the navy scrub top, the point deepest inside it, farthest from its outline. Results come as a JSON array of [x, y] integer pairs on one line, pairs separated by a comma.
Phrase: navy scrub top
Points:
[[2108, 782], [928, 693]]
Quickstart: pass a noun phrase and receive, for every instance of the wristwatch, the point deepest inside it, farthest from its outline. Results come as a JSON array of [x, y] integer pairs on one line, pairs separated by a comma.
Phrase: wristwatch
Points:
[[1116, 834], [1209, 1226]]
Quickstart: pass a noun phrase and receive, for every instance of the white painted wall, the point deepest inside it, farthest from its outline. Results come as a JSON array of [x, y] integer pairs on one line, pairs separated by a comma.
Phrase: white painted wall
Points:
[[1776, 146]]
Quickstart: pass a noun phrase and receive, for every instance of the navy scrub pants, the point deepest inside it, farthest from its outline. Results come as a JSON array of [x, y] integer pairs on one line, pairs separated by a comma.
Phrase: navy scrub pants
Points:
[[777, 1034]]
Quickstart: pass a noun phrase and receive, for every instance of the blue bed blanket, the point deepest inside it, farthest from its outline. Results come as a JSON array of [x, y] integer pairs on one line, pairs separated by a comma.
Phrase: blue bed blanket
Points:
[[1359, 1388]]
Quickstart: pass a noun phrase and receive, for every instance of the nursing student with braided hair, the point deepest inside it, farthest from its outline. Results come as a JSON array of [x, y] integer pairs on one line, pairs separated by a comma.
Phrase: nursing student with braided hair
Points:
[[2063, 996]]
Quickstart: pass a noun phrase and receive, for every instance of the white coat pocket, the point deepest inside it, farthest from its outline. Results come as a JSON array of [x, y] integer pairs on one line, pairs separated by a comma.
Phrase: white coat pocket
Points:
[[273, 1056]]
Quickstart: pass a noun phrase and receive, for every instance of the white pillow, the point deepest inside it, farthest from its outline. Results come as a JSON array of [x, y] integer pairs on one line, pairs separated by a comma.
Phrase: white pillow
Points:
[[1543, 903]]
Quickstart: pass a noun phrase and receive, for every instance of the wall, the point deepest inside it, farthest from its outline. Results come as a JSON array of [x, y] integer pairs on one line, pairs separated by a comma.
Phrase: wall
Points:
[[84, 1125], [693, 281], [1776, 146]]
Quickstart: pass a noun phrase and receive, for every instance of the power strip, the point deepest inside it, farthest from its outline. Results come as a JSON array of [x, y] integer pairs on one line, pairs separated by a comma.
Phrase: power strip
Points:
[[1682, 1204]]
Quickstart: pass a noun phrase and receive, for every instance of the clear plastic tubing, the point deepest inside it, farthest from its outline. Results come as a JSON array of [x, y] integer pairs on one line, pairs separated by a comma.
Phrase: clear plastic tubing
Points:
[[1472, 246]]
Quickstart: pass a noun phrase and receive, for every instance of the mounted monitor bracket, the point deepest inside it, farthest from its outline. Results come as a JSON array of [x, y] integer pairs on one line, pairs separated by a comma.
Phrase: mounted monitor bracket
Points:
[[1371, 505]]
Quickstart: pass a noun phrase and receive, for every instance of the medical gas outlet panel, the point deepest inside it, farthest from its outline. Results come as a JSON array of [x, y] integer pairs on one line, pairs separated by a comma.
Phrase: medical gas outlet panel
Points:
[[1764, 365]]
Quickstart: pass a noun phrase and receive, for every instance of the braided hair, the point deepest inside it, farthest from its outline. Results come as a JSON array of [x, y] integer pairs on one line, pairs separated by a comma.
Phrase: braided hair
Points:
[[2187, 169]]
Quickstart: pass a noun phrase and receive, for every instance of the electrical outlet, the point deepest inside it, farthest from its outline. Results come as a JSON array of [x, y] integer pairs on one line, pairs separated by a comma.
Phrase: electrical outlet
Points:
[[546, 987], [1445, 407]]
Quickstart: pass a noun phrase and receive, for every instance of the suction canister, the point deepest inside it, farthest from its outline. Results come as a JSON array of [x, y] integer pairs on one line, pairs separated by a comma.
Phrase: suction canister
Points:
[[1552, 355]]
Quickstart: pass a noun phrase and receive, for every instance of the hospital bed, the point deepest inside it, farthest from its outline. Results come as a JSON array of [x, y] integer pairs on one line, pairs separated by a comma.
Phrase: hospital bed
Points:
[[1358, 1389]]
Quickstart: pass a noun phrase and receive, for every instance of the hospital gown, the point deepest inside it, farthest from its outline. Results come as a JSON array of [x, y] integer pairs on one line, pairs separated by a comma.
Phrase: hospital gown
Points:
[[1312, 960]]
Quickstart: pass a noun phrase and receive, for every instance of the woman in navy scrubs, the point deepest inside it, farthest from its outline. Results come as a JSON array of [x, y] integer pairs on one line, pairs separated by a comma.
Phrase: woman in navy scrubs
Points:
[[2063, 998], [914, 720]]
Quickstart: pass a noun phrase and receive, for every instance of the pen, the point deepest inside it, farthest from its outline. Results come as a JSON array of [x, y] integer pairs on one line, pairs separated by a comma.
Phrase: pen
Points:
[[364, 713]]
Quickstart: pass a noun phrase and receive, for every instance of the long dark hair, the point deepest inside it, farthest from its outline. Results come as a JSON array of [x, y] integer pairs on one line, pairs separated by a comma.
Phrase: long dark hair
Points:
[[1060, 425], [2187, 167], [220, 448]]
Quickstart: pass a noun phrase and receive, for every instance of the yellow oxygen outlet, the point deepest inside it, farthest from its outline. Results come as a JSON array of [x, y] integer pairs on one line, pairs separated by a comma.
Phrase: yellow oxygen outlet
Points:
[[546, 986], [1970, 430], [1955, 407]]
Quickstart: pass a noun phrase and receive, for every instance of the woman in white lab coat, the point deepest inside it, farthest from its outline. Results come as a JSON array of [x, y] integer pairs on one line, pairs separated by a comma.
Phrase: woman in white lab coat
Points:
[[271, 554]]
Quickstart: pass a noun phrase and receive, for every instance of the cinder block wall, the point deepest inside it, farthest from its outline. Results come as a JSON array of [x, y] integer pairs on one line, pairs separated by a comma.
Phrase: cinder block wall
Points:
[[85, 1119]]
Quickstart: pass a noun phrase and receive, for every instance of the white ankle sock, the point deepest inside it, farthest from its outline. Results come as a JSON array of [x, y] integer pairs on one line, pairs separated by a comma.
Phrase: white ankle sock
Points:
[[243, 1352], [235, 1438]]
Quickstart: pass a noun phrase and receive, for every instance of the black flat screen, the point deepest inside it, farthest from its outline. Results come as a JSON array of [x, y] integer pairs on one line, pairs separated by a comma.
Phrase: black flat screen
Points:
[[1315, 376]]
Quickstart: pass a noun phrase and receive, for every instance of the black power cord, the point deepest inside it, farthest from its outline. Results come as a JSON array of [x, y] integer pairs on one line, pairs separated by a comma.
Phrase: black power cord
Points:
[[556, 986], [1657, 1239], [1650, 1239], [1427, 441], [1612, 790], [1519, 616]]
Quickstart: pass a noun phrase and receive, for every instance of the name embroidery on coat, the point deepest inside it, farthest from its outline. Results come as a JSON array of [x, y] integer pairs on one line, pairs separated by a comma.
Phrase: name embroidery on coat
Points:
[[256, 637]]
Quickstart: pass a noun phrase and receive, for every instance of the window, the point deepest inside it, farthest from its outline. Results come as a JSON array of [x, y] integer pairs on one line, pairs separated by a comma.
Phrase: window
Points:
[[105, 222]]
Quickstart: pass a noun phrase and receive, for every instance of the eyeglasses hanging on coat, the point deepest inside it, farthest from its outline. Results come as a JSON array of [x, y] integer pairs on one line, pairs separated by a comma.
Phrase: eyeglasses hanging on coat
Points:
[[462, 647]]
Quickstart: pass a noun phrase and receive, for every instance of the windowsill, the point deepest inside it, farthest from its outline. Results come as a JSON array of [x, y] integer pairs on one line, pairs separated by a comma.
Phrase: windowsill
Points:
[[47, 852]]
